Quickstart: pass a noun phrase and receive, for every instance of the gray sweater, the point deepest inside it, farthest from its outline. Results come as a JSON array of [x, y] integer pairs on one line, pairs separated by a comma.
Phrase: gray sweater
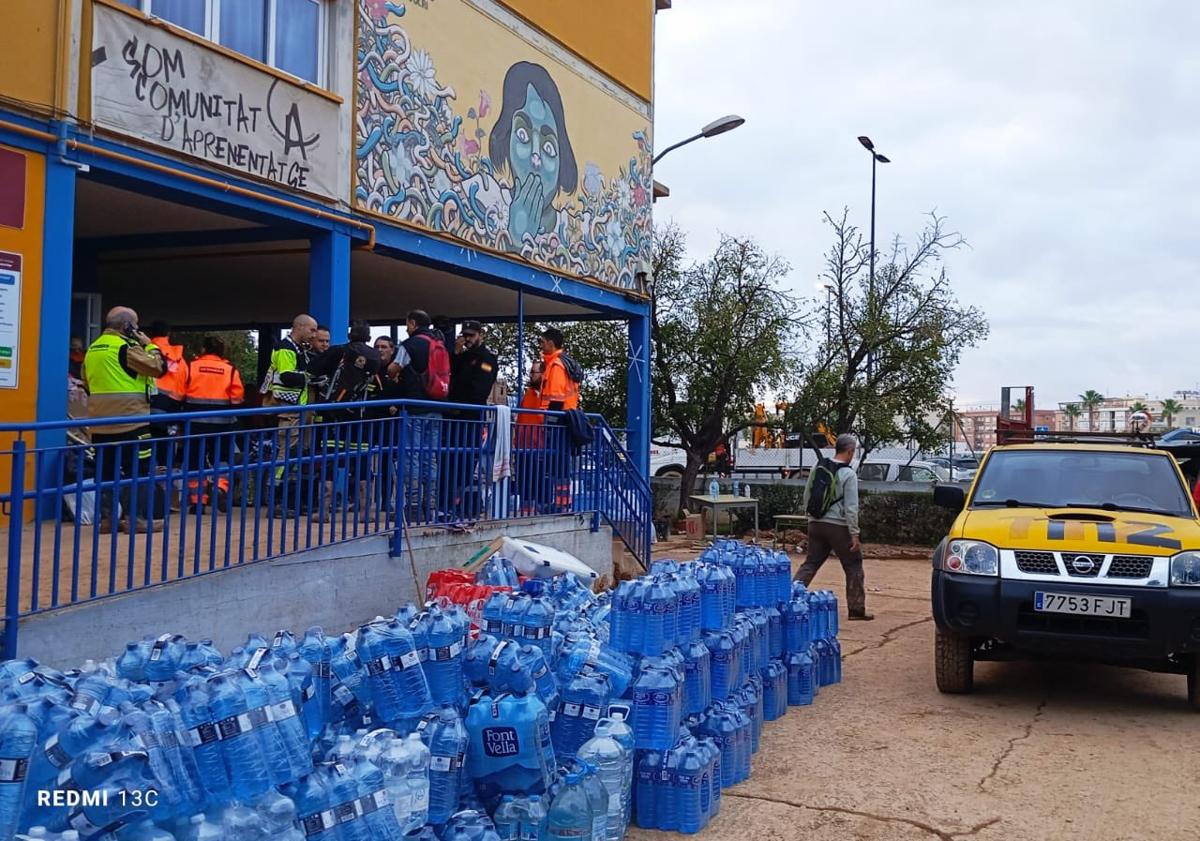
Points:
[[844, 511]]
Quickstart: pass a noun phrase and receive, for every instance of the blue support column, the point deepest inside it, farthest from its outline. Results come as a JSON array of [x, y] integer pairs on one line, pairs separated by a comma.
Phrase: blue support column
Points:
[[520, 345], [329, 282], [54, 339], [637, 410]]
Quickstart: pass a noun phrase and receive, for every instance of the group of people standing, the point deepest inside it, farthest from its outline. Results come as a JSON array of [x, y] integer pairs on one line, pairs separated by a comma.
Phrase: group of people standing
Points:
[[128, 373]]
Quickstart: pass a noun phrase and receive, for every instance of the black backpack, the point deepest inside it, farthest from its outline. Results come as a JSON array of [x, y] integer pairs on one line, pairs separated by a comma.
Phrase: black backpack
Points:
[[824, 485], [574, 369]]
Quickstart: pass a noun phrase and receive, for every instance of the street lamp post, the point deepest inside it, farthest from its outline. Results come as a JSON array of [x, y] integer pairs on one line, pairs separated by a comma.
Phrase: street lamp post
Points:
[[727, 123], [876, 158]]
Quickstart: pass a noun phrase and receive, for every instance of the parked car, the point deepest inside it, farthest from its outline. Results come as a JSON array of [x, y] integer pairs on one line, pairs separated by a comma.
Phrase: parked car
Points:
[[1076, 552], [901, 470]]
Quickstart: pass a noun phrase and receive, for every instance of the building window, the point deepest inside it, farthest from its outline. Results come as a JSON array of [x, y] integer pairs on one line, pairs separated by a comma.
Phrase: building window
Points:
[[286, 34]]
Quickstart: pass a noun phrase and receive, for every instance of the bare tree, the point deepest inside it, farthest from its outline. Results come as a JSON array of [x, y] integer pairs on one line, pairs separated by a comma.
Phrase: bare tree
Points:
[[894, 340]]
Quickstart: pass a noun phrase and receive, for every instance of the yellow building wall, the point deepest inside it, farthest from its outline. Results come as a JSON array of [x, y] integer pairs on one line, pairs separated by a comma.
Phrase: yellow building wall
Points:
[[616, 36], [20, 404], [29, 53]]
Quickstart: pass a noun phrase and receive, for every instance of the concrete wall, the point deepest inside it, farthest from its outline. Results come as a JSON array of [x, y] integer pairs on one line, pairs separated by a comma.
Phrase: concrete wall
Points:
[[336, 587]]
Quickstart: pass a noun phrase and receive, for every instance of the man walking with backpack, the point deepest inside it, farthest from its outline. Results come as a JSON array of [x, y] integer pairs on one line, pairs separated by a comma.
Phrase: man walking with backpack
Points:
[[424, 375], [831, 501]]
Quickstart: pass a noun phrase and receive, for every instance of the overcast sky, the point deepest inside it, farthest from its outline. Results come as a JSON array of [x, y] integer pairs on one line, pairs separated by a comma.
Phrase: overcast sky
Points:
[[1059, 138]]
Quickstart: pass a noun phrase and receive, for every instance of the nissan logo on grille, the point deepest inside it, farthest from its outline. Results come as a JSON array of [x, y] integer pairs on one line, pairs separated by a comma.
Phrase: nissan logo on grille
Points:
[[1082, 564]]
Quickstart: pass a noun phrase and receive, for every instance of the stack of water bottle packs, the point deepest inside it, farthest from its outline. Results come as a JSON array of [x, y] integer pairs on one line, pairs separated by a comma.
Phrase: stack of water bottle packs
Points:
[[563, 717]]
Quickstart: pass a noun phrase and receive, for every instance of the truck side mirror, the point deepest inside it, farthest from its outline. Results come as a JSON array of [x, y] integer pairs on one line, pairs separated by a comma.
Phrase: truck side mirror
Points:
[[952, 497]]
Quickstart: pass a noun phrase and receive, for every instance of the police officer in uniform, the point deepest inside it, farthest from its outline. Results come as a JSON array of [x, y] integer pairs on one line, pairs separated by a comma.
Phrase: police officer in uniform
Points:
[[119, 371], [473, 370]]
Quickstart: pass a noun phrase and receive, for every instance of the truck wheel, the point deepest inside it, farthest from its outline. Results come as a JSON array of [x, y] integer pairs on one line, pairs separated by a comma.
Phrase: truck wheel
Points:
[[1193, 684], [954, 662]]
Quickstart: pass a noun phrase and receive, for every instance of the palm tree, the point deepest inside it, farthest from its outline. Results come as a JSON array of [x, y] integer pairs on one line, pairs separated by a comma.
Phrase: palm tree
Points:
[[1072, 412], [1170, 408], [1139, 406], [1091, 400], [1018, 409]]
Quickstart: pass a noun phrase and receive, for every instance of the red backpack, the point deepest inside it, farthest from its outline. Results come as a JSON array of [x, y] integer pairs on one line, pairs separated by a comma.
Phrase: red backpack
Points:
[[435, 379]]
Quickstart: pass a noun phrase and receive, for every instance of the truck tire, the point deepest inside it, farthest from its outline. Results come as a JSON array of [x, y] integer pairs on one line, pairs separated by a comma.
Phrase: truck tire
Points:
[[954, 662], [1193, 684]]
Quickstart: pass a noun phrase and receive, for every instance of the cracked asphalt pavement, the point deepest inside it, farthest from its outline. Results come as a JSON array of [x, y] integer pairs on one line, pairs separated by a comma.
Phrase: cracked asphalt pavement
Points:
[[1039, 751]]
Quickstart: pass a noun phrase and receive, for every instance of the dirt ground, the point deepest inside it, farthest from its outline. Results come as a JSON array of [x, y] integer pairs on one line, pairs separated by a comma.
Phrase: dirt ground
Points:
[[1037, 752]]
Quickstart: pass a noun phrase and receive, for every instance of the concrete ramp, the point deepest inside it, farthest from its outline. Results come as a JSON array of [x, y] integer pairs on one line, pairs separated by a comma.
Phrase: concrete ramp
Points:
[[337, 587]]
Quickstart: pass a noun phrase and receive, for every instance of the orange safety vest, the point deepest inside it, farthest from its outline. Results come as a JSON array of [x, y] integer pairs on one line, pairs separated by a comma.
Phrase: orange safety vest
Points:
[[172, 384], [213, 383], [557, 387], [529, 425]]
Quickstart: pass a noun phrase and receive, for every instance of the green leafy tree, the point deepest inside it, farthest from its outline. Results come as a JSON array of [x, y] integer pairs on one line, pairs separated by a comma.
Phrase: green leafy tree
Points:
[[1091, 400], [1170, 408], [600, 347], [722, 332], [892, 342], [1072, 411]]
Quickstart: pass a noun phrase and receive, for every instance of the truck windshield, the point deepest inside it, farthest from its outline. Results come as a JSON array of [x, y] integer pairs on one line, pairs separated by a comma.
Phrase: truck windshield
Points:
[[1082, 479]]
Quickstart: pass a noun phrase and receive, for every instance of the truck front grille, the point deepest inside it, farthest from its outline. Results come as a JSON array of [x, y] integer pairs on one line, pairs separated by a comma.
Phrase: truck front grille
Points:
[[1037, 563], [1130, 566]]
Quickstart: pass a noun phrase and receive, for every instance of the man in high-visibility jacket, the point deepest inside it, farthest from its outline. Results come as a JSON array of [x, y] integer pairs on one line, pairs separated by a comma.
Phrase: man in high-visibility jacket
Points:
[[286, 384], [559, 393], [213, 383], [528, 445], [172, 386], [119, 371]]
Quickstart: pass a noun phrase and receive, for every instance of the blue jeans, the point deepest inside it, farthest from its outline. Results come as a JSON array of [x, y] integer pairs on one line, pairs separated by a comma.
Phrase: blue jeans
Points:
[[422, 442]]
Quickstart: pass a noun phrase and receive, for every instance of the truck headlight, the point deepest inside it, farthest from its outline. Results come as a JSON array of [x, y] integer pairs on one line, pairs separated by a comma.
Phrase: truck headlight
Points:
[[972, 557], [1185, 570]]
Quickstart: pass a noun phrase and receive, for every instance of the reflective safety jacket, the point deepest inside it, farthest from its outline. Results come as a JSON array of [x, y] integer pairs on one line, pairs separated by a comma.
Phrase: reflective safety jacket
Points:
[[286, 381], [213, 383], [119, 376], [559, 392], [172, 386]]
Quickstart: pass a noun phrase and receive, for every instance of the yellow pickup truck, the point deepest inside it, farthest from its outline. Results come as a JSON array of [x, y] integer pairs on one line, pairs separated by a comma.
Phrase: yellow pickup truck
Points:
[[1083, 552]]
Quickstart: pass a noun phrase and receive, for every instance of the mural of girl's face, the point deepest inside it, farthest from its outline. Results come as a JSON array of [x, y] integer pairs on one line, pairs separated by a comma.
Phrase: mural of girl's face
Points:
[[533, 144]]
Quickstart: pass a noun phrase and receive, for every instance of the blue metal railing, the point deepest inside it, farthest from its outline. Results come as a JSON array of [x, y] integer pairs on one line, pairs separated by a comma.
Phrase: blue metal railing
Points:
[[187, 494]]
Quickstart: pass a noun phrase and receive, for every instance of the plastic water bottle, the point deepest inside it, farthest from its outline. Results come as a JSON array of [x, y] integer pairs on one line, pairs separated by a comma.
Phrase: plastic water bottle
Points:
[[737, 488], [774, 631], [241, 823], [377, 662], [57, 752], [656, 708], [800, 680], [316, 650], [314, 807], [18, 740], [406, 674], [608, 757], [141, 729], [291, 729], [343, 794], [202, 734], [823, 661], [714, 488], [545, 684], [131, 665], [617, 726], [277, 814], [443, 667], [797, 625], [697, 678], [835, 648], [646, 788], [724, 663], [689, 782], [492, 614], [538, 617], [598, 801], [569, 817], [447, 741], [373, 803], [258, 701], [167, 726], [659, 615], [240, 742]]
